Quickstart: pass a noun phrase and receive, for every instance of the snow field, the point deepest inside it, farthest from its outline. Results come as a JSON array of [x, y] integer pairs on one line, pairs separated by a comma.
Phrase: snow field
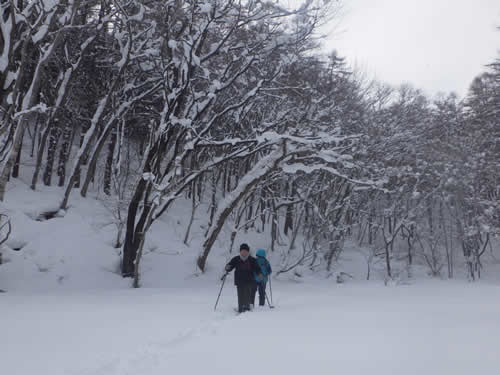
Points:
[[435, 328]]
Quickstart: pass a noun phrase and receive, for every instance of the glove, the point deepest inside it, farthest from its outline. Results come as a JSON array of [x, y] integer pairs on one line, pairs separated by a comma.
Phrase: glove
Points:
[[228, 268]]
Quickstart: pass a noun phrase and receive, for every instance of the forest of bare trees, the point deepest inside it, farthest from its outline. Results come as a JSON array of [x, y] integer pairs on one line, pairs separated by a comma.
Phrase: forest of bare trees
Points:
[[234, 105]]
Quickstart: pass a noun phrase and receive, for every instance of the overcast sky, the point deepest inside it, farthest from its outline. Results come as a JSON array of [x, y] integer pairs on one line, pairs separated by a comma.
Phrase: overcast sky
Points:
[[437, 45]]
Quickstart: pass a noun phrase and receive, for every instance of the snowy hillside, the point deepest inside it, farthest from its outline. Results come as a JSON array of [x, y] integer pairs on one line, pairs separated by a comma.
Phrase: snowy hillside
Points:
[[74, 250]]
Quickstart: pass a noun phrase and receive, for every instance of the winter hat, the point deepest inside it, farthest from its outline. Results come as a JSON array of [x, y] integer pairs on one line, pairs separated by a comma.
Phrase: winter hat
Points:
[[244, 246], [261, 253]]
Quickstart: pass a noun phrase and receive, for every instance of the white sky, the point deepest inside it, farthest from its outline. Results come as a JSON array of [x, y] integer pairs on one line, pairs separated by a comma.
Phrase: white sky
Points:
[[436, 45]]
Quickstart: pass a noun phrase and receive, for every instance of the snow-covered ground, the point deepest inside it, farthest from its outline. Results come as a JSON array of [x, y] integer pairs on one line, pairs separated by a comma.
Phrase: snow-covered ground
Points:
[[431, 328], [68, 311]]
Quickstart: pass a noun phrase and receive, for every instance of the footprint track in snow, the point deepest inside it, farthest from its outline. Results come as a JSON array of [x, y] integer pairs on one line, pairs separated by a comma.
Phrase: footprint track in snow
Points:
[[155, 353]]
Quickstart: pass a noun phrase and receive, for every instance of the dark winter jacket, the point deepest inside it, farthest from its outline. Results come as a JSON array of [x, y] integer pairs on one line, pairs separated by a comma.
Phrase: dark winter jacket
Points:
[[244, 270]]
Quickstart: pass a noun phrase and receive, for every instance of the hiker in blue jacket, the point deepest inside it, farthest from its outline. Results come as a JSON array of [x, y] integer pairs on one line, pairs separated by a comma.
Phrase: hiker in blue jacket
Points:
[[261, 279]]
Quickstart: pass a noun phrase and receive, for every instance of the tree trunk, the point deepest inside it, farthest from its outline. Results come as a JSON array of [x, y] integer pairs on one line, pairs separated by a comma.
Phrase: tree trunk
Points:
[[245, 185], [296, 231], [193, 211], [51, 155], [140, 246], [250, 221], [133, 232], [35, 137], [390, 225], [231, 243], [410, 246], [108, 171], [78, 169], [288, 225], [215, 229], [449, 259], [224, 181], [213, 203], [15, 170], [39, 157], [67, 141], [388, 260], [263, 210], [92, 165], [5, 173], [131, 244], [274, 225], [141, 146], [229, 177]]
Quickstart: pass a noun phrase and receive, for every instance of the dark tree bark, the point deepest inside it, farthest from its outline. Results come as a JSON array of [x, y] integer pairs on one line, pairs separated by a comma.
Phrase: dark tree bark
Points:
[[263, 209], [141, 146], [250, 222], [35, 137], [78, 170], [274, 225], [108, 171], [288, 225], [132, 234], [51, 155], [193, 211], [227, 187], [15, 169], [67, 141], [213, 202], [39, 157]]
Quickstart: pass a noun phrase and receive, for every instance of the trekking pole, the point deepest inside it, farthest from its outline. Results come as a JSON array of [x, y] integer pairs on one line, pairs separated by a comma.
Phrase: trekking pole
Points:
[[269, 303], [222, 286], [271, 288]]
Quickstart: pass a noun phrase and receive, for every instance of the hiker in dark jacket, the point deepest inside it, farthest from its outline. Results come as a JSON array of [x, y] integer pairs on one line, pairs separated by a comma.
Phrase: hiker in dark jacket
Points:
[[246, 268], [261, 280]]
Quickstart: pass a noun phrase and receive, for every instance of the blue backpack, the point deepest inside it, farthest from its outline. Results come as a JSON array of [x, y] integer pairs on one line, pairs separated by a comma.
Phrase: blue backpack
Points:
[[265, 267]]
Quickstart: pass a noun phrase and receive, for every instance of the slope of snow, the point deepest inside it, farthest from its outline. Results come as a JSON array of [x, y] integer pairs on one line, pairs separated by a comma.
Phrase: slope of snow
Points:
[[72, 250], [318, 328]]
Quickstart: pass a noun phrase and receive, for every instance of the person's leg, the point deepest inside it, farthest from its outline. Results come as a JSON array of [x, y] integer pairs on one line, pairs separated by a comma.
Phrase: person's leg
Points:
[[253, 293], [262, 294], [248, 295], [241, 297]]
